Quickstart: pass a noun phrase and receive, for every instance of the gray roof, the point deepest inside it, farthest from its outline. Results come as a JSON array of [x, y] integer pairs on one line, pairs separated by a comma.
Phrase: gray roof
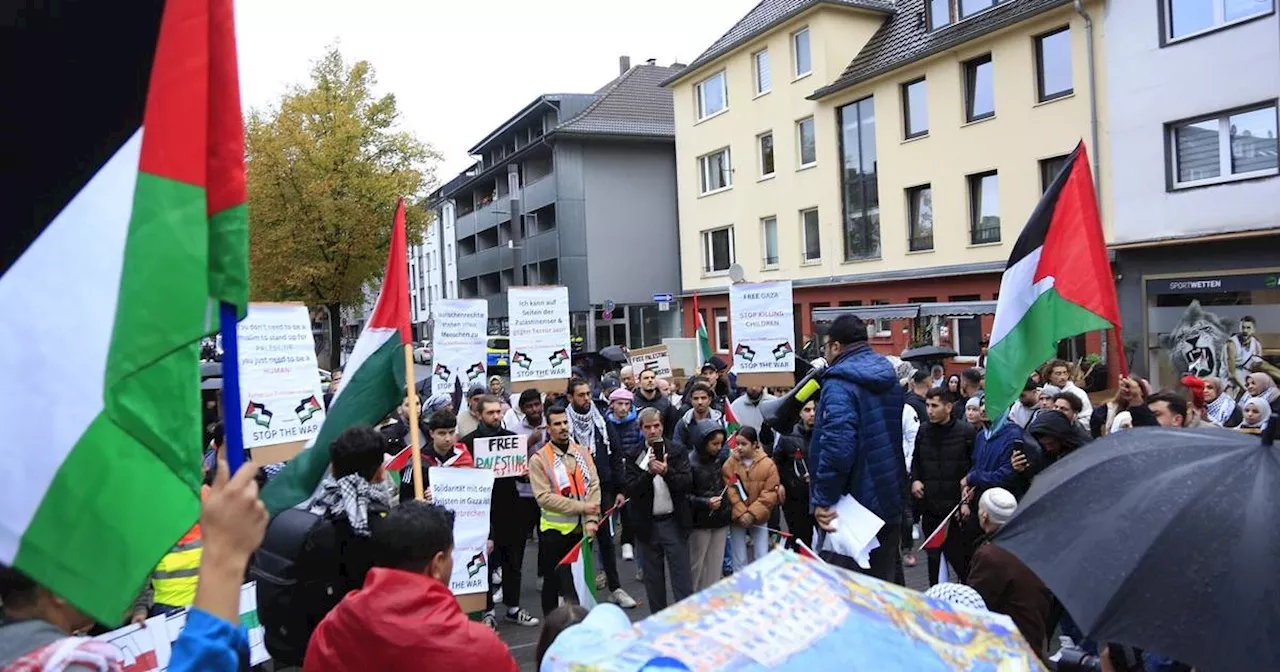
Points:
[[634, 104], [766, 16], [902, 40]]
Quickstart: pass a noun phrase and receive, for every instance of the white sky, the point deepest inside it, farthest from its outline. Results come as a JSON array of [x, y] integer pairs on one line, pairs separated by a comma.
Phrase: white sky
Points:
[[459, 68]]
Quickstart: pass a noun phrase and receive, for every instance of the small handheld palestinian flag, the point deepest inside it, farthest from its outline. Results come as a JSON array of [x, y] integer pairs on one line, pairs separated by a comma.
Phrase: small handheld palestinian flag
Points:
[[736, 483], [938, 537], [731, 424], [802, 549], [582, 568]]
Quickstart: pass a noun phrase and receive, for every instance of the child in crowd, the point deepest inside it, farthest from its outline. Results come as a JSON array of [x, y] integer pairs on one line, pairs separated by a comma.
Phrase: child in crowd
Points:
[[751, 484], [709, 504], [1256, 413]]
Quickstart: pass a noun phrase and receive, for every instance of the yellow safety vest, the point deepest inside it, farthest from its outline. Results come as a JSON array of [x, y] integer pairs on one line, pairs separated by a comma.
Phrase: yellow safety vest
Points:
[[569, 485], [175, 578]]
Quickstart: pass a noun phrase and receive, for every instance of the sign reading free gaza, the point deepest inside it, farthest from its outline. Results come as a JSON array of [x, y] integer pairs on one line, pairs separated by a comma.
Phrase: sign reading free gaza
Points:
[[760, 315]]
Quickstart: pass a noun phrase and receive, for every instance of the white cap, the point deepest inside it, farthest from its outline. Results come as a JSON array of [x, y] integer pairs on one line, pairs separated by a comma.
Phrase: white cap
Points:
[[999, 505]]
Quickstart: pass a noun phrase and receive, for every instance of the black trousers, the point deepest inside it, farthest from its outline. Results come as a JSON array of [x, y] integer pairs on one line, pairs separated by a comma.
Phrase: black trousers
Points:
[[884, 560], [666, 548], [557, 580], [508, 552], [608, 558], [799, 520]]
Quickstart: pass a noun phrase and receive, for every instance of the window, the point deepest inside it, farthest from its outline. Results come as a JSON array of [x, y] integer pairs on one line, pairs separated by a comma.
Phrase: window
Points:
[[939, 14], [804, 135], [810, 235], [1053, 64], [766, 154], [716, 171], [722, 329], [717, 250], [979, 87], [769, 234], [984, 208], [800, 50], [915, 109], [764, 82], [713, 96], [970, 7], [883, 327], [861, 198], [1236, 145], [1049, 169], [920, 210], [1189, 17]]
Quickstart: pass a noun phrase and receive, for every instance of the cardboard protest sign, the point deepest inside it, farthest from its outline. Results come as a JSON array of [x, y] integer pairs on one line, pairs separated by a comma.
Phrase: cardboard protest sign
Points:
[[467, 493], [760, 315], [505, 455], [279, 379], [540, 349], [458, 342], [148, 647], [655, 358]]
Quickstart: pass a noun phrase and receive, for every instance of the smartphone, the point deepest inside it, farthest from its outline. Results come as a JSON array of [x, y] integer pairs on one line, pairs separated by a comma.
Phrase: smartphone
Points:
[[659, 450]]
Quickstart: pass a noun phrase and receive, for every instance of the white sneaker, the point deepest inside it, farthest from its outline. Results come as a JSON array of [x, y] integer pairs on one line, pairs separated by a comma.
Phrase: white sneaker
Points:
[[622, 599], [489, 621], [521, 617], [497, 594], [496, 577], [628, 552]]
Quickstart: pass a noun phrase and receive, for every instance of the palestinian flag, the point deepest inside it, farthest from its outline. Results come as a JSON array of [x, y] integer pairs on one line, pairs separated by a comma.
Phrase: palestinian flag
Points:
[[731, 423], [700, 325], [373, 382], [127, 226], [1057, 283], [582, 568], [938, 537]]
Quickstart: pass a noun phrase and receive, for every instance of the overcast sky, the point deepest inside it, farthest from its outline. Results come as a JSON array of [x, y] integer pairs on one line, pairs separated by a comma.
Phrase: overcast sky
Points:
[[460, 68]]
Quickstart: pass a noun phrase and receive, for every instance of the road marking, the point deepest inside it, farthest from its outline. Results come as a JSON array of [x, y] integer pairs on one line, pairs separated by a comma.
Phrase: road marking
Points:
[[522, 646]]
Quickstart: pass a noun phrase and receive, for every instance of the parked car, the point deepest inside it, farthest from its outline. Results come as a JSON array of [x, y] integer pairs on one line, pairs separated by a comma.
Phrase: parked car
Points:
[[422, 353], [498, 354]]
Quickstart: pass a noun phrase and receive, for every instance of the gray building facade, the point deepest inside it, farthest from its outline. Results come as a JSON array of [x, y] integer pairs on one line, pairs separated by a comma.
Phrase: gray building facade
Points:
[[578, 190]]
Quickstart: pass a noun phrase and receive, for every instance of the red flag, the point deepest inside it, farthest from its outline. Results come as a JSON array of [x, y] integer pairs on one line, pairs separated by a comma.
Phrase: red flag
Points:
[[938, 537]]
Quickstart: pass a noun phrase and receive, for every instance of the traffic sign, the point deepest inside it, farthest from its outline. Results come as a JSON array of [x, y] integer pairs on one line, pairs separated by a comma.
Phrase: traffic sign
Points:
[[663, 298], [609, 305]]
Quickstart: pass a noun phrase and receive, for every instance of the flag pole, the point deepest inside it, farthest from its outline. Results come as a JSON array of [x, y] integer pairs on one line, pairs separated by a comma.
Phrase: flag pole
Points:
[[415, 436], [232, 424]]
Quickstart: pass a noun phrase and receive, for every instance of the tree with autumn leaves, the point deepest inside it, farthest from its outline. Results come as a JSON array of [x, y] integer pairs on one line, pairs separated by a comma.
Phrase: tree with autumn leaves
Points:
[[325, 167]]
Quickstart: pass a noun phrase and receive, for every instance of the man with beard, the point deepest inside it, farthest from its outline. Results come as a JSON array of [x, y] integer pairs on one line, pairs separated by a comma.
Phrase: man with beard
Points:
[[649, 395], [943, 447], [747, 407], [792, 456], [700, 396], [469, 418], [1060, 376], [510, 522], [591, 432], [1022, 410]]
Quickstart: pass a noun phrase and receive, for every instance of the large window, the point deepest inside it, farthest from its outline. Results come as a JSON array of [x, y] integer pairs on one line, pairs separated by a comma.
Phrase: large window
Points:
[[915, 109], [920, 211], [811, 235], [1049, 169], [717, 250], [764, 82], [970, 7], [800, 52], [979, 89], [1184, 18], [1053, 64], [715, 170], [1231, 146], [769, 238], [939, 14], [766, 154], [984, 208], [722, 329], [858, 180], [713, 96], [807, 149]]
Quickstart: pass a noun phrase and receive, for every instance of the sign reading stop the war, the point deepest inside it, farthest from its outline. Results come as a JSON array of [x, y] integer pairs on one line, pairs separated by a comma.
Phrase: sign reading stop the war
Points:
[[760, 315]]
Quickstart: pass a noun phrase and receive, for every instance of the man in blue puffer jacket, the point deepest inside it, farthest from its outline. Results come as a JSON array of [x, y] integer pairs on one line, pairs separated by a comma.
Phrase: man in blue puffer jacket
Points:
[[857, 440]]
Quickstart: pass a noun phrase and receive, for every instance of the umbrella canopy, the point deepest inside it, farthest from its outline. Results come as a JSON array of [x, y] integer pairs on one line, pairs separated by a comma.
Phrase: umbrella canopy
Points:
[[1162, 539], [927, 353], [210, 369], [615, 353]]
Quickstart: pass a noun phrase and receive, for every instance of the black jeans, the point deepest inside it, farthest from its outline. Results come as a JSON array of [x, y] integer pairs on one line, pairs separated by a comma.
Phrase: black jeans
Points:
[[799, 520], [884, 559], [557, 579], [608, 559], [666, 548], [508, 552]]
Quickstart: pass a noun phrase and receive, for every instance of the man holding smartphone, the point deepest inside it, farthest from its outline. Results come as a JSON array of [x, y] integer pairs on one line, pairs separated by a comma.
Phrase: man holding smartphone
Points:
[[658, 483]]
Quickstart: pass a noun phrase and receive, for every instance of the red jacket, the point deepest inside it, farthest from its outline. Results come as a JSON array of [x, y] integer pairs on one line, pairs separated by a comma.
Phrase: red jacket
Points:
[[397, 621]]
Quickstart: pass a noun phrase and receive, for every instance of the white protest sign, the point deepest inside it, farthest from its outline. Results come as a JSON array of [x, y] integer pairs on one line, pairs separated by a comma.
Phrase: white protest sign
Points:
[[467, 493], [760, 316], [655, 359], [505, 455], [149, 646], [539, 319], [279, 381], [458, 339]]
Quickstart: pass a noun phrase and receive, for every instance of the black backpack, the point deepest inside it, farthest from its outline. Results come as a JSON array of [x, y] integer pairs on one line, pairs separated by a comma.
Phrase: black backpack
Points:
[[282, 606]]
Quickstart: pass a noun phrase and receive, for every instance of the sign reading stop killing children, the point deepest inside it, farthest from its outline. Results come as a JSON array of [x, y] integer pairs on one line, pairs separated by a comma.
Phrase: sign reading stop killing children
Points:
[[505, 455], [279, 381], [539, 319], [760, 316], [467, 493], [458, 343]]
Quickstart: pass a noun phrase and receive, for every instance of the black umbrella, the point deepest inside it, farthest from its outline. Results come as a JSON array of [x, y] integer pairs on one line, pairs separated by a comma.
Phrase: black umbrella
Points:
[[927, 353], [1163, 539], [615, 353]]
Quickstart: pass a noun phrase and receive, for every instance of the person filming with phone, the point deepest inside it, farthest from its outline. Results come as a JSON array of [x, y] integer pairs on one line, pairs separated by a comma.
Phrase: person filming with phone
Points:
[[658, 483]]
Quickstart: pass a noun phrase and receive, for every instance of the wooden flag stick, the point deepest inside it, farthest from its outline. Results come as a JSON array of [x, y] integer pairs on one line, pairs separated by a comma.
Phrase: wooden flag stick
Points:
[[415, 438]]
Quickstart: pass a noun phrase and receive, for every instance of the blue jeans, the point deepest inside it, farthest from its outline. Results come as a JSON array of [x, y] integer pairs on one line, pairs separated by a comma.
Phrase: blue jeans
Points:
[[738, 545]]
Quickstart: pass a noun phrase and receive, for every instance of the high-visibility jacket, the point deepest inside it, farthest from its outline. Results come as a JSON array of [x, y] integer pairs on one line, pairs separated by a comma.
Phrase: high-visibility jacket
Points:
[[174, 579], [573, 485]]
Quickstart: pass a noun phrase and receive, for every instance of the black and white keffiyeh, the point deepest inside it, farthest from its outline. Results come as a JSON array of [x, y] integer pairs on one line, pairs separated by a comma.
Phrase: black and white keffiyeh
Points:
[[585, 426], [348, 497]]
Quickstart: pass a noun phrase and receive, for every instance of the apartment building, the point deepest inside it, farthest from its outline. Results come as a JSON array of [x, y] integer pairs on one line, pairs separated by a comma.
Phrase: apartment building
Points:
[[1196, 190], [591, 181], [882, 155], [433, 270]]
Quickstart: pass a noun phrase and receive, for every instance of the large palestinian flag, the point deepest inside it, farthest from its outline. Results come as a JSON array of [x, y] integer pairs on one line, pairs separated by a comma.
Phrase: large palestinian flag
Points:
[[124, 175], [1057, 284], [373, 382]]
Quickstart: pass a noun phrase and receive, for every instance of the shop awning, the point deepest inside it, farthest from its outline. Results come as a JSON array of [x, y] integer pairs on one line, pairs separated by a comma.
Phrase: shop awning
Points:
[[907, 311], [958, 309]]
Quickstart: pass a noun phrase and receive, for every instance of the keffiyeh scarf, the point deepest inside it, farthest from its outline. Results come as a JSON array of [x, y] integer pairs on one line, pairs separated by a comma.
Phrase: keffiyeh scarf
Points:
[[348, 497], [1219, 410], [585, 426]]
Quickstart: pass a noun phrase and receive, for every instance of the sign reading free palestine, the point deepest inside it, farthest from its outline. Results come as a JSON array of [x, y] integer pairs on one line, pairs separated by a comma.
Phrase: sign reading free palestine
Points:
[[761, 319]]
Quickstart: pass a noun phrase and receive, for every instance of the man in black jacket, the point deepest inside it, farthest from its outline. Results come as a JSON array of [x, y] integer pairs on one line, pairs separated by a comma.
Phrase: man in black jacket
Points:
[[943, 456], [510, 522], [791, 455], [647, 395], [658, 485]]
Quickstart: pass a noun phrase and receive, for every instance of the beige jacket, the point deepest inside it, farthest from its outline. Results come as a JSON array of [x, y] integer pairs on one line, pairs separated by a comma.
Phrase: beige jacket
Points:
[[551, 500]]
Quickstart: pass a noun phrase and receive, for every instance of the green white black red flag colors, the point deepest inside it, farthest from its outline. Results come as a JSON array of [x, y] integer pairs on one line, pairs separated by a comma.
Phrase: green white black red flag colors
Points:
[[1057, 284], [581, 562], [126, 226], [372, 382]]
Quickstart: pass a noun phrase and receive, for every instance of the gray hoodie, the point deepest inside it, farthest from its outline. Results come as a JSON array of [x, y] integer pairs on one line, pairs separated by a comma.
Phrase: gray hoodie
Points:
[[18, 638]]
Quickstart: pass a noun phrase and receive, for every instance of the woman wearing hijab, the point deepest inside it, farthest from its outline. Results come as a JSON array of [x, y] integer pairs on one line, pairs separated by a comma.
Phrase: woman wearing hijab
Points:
[[1256, 413], [497, 389], [1220, 408], [1261, 386]]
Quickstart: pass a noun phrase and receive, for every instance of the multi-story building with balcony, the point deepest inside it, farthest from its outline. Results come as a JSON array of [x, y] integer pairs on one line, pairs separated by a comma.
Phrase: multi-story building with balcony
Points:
[[881, 155], [1196, 187], [578, 190], [433, 270]]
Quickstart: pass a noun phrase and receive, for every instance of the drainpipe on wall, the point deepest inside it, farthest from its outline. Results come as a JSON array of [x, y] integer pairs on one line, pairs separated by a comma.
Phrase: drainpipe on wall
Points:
[[1093, 95]]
